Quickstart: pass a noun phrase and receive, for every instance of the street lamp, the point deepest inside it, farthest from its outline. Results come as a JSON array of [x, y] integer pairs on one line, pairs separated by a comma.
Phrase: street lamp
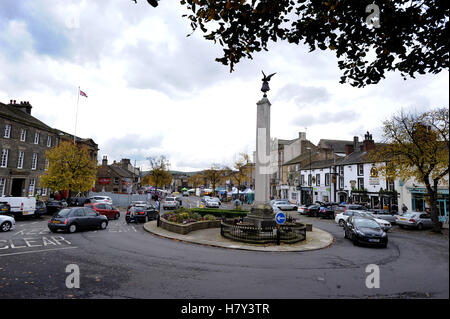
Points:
[[310, 173]]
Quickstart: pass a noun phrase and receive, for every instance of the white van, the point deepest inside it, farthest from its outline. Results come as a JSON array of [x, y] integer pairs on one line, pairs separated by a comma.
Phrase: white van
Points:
[[21, 206]]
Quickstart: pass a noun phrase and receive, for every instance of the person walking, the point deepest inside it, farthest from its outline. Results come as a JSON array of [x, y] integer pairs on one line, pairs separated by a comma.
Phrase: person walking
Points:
[[404, 208]]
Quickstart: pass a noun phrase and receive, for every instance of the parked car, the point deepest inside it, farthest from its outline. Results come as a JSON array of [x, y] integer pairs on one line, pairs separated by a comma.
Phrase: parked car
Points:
[[342, 218], [215, 199], [419, 220], [72, 219], [105, 209], [363, 230], [100, 199], [211, 204], [312, 211], [205, 198], [7, 223], [327, 212], [139, 203], [344, 208], [77, 201], [301, 209], [170, 203], [143, 213], [41, 208], [20, 206], [5, 208], [186, 194], [53, 205], [284, 205], [383, 214]]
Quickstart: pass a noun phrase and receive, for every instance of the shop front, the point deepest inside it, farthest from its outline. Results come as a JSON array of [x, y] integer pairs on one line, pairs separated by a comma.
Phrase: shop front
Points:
[[419, 202]]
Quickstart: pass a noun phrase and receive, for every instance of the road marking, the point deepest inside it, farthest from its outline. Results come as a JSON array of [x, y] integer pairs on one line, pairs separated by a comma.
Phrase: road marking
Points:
[[36, 251]]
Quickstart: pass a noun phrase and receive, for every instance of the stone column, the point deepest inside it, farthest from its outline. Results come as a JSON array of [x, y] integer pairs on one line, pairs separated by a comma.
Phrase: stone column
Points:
[[261, 212]]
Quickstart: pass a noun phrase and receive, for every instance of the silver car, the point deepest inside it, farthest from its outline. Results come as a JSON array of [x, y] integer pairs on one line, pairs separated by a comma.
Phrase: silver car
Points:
[[419, 220], [170, 203], [7, 223], [382, 214], [284, 205]]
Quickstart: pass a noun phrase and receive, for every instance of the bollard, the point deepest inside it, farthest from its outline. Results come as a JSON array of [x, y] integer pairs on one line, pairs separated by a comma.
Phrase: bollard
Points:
[[158, 221], [278, 235]]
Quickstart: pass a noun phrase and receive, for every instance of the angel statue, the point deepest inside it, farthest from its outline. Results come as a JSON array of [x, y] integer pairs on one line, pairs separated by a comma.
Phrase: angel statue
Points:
[[265, 85]]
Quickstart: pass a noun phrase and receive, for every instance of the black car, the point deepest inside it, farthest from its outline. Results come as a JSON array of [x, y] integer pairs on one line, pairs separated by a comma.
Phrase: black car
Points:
[[366, 231], [5, 208], [143, 214], [54, 205], [41, 208], [78, 201], [312, 211], [72, 219], [327, 211]]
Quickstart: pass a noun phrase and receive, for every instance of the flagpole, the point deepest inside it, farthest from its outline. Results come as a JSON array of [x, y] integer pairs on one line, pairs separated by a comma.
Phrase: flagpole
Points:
[[76, 115]]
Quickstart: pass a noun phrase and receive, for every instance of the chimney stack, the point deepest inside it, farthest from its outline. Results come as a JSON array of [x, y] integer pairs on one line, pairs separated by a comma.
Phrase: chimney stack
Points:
[[368, 143], [105, 161], [355, 142], [349, 149]]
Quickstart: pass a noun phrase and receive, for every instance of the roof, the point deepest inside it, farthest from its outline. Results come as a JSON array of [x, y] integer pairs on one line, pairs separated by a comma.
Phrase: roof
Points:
[[355, 158], [15, 113], [338, 146], [120, 171]]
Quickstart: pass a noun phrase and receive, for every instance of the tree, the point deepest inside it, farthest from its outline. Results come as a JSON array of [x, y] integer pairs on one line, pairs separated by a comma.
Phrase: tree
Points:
[[242, 171], [368, 37], [215, 175], [69, 168], [417, 148], [196, 180], [159, 174]]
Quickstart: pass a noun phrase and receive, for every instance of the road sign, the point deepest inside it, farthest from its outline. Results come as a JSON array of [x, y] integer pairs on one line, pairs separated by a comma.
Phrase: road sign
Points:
[[280, 218]]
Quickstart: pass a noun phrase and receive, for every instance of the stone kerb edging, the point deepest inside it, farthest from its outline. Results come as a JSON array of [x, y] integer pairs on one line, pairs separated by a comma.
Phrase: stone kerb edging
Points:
[[184, 229]]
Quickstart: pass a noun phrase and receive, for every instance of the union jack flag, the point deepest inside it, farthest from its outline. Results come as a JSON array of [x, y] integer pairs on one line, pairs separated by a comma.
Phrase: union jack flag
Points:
[[83, 94]]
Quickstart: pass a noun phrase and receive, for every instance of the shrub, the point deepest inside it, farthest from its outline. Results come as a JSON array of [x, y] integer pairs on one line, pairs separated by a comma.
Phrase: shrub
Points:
[[209, 217], [195, 216]]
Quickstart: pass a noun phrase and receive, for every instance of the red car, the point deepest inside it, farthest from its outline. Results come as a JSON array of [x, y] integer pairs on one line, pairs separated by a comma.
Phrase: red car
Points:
[[105, 209]]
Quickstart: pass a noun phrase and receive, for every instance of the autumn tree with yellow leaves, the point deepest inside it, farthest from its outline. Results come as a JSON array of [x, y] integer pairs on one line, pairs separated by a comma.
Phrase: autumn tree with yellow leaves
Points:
[[69, 168], [159, 174], [417, 148]]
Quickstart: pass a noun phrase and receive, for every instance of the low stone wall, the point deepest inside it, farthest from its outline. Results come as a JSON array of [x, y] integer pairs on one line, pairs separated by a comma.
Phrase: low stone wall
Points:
[[184, 229]]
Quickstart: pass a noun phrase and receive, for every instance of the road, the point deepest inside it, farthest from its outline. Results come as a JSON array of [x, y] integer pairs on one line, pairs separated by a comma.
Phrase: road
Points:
[[124, 261]]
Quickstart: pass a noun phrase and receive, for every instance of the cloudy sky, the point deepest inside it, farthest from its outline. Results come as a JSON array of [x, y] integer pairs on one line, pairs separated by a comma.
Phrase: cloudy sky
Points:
[[152, 90]]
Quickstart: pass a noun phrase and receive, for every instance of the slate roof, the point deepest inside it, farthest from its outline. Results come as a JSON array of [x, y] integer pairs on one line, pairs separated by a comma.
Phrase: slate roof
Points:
[[15, 113], [120, 171], [337, 145]]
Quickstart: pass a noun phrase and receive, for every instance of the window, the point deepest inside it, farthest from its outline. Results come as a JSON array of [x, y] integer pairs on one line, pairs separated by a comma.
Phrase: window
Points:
[[360, 169], [294, 196], [341, 170], [34, 161], [7, 131], [23, 135], [90, 212], [80, 212], [302, 179], [296, 167], [361, 183], [341, 182], [309, 179], [101, 206], [44, 192], [36, 138], [2, 186], [116, 180], [327, 179], [46, 165], [317, 179], [390, 185], [49, 141], [4, 159], [31, 187], [20, 159]]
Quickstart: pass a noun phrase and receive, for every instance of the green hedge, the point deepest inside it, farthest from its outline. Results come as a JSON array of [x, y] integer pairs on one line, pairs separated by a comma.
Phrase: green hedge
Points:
[[220, 212]]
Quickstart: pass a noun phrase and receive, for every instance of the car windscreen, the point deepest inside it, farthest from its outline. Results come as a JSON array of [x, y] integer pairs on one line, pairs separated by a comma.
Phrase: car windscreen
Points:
[[365, 223], [64, 212], [408, 215]]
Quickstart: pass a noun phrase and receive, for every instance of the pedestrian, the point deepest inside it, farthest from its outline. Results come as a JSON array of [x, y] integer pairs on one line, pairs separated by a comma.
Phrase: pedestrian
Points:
[[404, 208]]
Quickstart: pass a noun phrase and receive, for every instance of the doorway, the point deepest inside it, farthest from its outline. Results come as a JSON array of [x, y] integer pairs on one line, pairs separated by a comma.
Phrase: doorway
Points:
[[17, 187]]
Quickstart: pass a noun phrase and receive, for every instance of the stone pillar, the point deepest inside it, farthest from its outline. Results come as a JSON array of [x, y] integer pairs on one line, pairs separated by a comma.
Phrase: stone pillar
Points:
[[261, 212]]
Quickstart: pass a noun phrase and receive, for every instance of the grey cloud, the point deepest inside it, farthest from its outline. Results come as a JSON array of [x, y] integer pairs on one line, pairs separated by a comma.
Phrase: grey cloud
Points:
[[325, 118], [132, 146], [303, 95]]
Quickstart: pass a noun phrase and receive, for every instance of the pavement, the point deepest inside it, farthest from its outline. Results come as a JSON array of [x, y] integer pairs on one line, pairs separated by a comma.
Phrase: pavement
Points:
[[316, 239]]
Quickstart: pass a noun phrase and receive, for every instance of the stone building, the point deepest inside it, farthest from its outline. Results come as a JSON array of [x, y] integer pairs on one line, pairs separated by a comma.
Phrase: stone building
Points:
[[24, 140], [117, 177]]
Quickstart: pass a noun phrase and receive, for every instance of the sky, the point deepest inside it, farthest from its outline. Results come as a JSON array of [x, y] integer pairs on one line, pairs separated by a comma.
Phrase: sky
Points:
[[154, 91]]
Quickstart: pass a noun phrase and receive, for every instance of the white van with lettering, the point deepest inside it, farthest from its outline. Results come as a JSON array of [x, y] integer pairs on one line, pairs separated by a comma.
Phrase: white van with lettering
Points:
[[21, 206]]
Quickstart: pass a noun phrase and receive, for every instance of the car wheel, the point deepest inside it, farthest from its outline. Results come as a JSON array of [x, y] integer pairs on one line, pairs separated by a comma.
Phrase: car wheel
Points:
[[72, 228], [341, 222], [117, 216], [6, 226], [103, 225], [420, 226]]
